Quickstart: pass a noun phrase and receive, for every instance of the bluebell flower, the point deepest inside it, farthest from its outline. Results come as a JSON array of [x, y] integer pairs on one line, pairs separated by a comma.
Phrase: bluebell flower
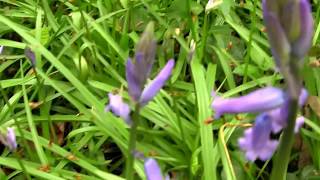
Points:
[[289, 26], [154, 86], [256, 142], [257, 101], [153, 171], [279, 115], [138, 70], [273, 105], [1, 49], [299, 124], [118, 107], [11, 139]]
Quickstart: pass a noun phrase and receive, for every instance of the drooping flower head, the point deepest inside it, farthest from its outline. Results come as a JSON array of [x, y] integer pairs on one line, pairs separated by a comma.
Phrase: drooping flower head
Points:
[[1, 49], [256, 141], [272, 104]]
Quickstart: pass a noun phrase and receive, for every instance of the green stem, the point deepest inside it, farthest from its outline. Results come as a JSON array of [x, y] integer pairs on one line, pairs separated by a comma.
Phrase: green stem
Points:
[[280, 164], [190, 22], [132, 143]]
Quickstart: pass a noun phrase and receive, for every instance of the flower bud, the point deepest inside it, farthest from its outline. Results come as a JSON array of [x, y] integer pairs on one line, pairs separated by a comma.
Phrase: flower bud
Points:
[[138, 69], [289, 25]]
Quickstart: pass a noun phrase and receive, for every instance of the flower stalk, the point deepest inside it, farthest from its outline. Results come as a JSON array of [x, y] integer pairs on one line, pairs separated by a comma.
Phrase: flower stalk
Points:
[[282, 157], [132, 143]]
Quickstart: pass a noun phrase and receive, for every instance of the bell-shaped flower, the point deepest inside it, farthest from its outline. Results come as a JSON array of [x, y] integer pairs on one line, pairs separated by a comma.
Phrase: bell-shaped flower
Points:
[[118, 107], [258, 101], [154, 86], [11, 139], [256, 141], [1, 49], [153, 171]]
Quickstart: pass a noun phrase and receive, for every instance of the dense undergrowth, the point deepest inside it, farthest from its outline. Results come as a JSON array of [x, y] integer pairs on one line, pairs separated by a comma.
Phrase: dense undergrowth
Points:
[[56, 102]]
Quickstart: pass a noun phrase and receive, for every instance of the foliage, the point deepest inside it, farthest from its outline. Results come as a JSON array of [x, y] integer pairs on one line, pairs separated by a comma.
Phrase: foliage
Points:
[[81, 48]]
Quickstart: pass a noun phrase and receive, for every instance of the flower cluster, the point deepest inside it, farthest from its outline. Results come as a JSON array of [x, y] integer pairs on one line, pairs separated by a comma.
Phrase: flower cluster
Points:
[[137, 72], [289, 26], [272, 103]]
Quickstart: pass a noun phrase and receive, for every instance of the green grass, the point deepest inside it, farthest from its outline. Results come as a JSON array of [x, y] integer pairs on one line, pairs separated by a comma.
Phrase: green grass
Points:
[[57, 107]]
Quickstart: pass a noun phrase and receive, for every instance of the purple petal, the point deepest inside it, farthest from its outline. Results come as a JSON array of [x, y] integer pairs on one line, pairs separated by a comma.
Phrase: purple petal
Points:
[[11, 139], [299, 124], [278, 118], [303, 97], [256, 141], [134, 86], [302, 45], [152, 170], [118, 107], [279, 115], [1, 49], [30, 54], [154, 87], [258, 101]]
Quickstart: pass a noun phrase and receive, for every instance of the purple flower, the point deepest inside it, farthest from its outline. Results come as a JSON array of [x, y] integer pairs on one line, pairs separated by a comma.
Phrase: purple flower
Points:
[[260, 100], [303, 97], [1, 49], [273, 103], [256, 141], [278, 121], [154, 87], [279, 115], [138, 70], [11, 139], [152, 170], [118, 107], [301, 46], [299, 124], [289, 26], [30, 54]]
